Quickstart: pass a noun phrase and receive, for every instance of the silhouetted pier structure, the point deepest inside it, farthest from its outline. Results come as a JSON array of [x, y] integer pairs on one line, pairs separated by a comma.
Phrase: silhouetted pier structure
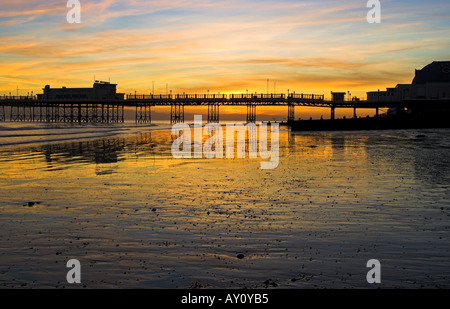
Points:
[[31, 109], [429, 92], [38, 109], [178, 102]]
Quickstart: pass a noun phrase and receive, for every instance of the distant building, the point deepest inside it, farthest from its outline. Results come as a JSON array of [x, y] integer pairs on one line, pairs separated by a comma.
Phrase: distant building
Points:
[[338, 96], [99, 91], [430, 83]]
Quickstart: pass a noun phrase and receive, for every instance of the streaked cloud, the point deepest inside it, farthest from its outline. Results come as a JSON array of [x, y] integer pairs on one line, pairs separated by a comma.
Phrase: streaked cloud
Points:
[[227, 46]]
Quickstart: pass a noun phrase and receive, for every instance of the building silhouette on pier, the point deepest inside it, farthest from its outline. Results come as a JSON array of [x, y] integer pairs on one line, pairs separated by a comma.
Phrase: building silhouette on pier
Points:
[[100, 91]]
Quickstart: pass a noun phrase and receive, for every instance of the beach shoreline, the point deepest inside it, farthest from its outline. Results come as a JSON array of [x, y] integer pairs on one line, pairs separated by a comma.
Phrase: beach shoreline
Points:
[[137, 218]]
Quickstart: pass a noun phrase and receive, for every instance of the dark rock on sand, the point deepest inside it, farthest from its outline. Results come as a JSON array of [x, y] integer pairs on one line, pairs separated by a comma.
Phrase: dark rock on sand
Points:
[[270, 282], [30, 204]]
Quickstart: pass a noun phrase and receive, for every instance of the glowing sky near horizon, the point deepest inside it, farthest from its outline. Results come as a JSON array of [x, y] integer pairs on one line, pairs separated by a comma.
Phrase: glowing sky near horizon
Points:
[[221, 46]]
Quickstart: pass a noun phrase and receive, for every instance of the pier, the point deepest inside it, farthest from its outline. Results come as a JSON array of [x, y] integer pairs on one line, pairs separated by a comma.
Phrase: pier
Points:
[[429, 92], [27, 109], [39, 109]]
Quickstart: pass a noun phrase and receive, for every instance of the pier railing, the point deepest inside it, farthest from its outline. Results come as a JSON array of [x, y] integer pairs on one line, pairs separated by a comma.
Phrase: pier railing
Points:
[[200, 96], [246, 96], [150, 97], [302, 96], [17, 98], [170, 97], [262, 96]]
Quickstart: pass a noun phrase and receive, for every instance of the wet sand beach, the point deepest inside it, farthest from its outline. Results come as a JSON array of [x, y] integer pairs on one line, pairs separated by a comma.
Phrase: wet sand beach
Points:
[[137, 218]]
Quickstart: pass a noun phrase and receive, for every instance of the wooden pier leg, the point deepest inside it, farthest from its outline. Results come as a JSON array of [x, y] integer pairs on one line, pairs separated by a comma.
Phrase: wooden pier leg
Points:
[[248, 113], [65, 116], [217, 113], [150, 113], [22, 115], [251, 113], [209, 113], [176, 113], [47, 112], [71, 120], [40, 113], [182, 113], [79, 112], [333, 112], [291, 113], [141, 113], [213, 113], [2, 113], [145, 113]]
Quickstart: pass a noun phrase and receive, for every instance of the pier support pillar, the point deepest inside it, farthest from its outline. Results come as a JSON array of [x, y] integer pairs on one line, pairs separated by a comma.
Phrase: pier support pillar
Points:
[[2, 113], [251, 113], [176, 113], [333, 113], [71, 117], [354, 113], [102, 115], [291, 113], [377, 112], [39, 117], [113, 113], [143, 113], [21, 112], [213, 113], [79, 113], [107, 114]]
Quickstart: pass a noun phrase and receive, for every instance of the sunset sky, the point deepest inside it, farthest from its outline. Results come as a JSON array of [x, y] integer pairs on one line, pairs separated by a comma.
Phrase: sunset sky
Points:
[[221, 46]]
